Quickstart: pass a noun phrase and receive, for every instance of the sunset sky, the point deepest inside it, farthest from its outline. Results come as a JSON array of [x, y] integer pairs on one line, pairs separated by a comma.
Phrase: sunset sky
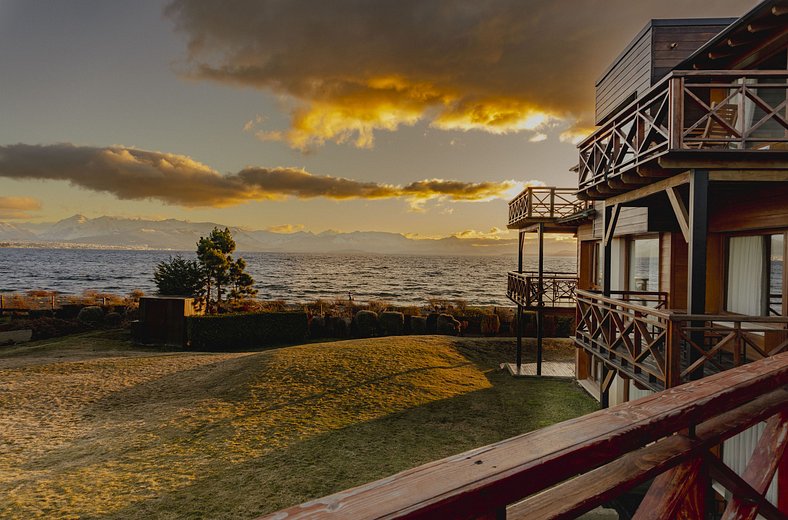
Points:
[[413, 116]]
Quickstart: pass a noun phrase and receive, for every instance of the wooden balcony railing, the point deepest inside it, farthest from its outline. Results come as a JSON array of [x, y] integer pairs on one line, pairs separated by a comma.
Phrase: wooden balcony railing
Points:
[[567, 469], [536, 203], [661, 349], [559, 289], [690, 111]]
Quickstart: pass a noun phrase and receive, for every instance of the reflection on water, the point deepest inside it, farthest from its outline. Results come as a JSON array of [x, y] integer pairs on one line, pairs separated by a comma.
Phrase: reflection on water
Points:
[[294, 277]]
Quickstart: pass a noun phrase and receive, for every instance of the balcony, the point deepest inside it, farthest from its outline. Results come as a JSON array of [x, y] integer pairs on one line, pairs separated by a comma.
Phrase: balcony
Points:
[[691, 119], [559, 289], [660, 348], [547, 205]]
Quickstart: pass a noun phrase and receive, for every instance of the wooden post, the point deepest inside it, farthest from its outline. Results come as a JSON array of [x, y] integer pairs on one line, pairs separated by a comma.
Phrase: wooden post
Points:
[[696, 259], [609, 224], [520, 244], [782, 484], [519, 356], [604, 389], [540, 303]]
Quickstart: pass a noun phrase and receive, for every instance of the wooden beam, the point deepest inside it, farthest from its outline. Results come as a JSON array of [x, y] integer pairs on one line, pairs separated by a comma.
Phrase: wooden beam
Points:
[[749, 175], [733, 482], [610, 224], [680, 210], [674, 494], [696, 257], [761, 468], [651, 189]]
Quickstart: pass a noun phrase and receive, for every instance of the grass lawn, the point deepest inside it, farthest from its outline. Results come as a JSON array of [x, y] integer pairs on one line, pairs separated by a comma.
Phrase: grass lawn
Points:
[[91, 427]]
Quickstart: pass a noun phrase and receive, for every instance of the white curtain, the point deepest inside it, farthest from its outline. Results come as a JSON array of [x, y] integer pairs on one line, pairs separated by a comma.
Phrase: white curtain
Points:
[[745, 275]]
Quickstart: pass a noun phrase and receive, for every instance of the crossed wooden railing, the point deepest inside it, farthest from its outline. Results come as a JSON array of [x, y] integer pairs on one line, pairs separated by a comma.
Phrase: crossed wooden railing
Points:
[[567, 469], [558, 289], [540, 203], [689, 110], [661, 349]]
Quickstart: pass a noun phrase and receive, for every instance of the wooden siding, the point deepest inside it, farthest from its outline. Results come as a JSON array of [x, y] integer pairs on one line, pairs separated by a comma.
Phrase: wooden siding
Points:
[[740, 207], [656, 50]]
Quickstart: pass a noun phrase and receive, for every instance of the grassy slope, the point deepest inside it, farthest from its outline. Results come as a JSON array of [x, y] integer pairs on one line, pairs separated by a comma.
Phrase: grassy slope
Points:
[[92, 428]]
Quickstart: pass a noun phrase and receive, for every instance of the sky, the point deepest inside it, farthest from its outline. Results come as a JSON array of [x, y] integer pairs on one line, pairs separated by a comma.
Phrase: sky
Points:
[[411, 116]]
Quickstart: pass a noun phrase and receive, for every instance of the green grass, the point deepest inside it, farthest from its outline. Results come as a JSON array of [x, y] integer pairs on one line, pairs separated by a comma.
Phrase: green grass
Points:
[[96, 428]]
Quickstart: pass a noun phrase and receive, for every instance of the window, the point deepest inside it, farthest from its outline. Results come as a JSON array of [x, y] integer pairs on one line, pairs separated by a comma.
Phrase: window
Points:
[[755, 274], [644, 264]]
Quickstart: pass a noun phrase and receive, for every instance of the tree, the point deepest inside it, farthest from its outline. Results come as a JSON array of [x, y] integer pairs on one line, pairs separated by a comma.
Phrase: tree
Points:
[[220, 270], [179, 277]]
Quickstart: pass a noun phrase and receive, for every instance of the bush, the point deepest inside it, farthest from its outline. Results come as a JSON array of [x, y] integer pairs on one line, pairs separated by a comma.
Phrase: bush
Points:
[[418, 325], [392, 323], [447, 325], [45, 328], [337, 327], [491, 325], [228, 332], [365, 324], [564, 326], [91, 316], [432, 323], [113, 319], [317, 327]]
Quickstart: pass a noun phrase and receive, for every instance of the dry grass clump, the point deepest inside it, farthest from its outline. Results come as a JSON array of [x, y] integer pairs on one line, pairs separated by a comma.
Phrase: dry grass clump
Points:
[[92, 426]]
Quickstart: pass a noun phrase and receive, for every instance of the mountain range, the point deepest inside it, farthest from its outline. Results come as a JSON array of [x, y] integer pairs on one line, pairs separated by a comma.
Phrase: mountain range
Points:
[[172, 234]]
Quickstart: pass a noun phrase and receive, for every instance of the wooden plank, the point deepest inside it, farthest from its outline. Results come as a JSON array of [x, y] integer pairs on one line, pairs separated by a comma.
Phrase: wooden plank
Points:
[[480, 480], [680, 210], [761, 468], [651, 189], [670, 493], [581, 494]]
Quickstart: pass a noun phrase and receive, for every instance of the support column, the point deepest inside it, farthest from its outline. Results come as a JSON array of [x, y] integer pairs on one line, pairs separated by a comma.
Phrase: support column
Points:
[[610, 218], [696, 257], [604, 389], [540, 303], [519, 355]]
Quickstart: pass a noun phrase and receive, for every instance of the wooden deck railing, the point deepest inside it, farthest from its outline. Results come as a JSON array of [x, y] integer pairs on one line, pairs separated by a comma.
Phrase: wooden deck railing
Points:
[[690, 111], [538, 203], [661, 349], [572, 467], [558, 289]]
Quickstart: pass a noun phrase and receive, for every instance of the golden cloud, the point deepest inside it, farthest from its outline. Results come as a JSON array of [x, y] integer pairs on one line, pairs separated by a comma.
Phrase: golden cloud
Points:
[[18, 207], [130, 173], [352, 68]]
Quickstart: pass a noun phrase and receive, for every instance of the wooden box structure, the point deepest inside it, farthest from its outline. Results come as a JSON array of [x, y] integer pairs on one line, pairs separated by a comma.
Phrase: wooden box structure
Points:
[[163, 319]]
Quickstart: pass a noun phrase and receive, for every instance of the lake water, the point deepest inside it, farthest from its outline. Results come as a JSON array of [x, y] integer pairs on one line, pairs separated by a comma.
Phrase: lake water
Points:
[[293, 277]]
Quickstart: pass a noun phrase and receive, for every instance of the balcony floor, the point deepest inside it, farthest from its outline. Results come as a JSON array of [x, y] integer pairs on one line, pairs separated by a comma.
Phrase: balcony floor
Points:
[[552, 369]]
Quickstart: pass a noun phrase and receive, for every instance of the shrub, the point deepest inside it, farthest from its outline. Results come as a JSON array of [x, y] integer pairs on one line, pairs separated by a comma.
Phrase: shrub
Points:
[[92, 315], [418, 325], [365, 324], [432, 323], [228, 332], [564, 326], [392, 323], [491, 324], [337, 327], [447, 325], [44, 328], [113, 319]]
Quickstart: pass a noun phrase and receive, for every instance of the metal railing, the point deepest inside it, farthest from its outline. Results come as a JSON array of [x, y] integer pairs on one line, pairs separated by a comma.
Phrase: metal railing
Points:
[[737, 111]]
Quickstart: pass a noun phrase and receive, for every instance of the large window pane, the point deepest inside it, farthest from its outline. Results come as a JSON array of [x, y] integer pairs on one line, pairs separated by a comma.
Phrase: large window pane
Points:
[[746, 275], [644, 265], [777, 265]]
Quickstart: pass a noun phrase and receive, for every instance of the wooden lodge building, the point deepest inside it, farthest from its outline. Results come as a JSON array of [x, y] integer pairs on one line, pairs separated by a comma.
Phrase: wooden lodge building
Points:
[[681, 300]]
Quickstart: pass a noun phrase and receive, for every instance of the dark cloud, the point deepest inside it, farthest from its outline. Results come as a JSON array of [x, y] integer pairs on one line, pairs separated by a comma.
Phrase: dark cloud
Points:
[[354, 66], [129, 173]]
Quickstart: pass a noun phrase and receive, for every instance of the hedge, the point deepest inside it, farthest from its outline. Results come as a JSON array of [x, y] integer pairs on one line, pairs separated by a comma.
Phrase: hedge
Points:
[[228, 332]]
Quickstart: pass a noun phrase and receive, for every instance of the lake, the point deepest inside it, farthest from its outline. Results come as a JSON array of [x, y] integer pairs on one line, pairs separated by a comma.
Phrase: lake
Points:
[[293, 277]]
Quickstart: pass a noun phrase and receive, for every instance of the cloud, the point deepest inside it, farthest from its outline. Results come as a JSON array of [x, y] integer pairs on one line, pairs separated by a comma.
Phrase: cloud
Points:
[[130, 173], [18, 207], [349, 68], [286, 228], [494, 233]]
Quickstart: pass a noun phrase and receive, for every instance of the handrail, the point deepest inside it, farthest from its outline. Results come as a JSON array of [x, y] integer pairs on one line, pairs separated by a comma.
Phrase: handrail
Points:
[[544, 203], [678, 114], [574, 466], [557, 289]]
